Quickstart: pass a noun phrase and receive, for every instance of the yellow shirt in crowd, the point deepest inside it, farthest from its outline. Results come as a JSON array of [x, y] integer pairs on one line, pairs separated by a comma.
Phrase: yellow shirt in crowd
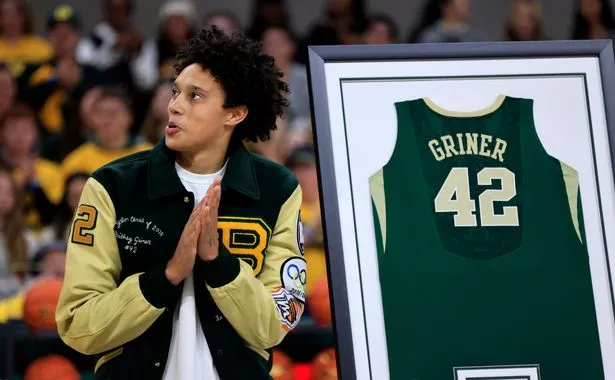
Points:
[[47, 173], [12, 308], [90, 156], [29, 49], [314, 250]]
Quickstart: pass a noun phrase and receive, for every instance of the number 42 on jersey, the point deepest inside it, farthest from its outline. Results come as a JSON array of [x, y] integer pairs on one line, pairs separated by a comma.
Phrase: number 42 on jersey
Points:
[[454, 196]]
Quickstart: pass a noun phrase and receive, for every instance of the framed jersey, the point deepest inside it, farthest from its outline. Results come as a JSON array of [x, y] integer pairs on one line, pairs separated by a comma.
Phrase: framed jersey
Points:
[[469, 201]]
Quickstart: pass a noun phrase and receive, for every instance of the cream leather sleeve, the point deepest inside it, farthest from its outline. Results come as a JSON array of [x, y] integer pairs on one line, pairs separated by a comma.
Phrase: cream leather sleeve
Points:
[[264, 308], [94, 312]]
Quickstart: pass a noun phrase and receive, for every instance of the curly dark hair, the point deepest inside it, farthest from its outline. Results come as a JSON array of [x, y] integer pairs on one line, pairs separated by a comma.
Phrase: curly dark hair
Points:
[[248, 76]]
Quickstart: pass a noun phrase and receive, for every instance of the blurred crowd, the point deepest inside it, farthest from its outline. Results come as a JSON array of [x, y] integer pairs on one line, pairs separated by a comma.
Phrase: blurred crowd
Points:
[[74, 97]]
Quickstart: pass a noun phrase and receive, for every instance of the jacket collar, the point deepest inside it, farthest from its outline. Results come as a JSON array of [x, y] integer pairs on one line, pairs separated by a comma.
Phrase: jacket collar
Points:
[[164, 181]]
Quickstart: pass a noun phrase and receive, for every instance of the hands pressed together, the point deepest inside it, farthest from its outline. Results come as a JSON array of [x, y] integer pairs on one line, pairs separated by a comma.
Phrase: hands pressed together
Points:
[[200, 236]]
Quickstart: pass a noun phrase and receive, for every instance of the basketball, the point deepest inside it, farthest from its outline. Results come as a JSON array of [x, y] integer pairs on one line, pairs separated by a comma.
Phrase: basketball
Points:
[[283, 366], [52, 367], [324, 365], [318, 302], [40, 304]]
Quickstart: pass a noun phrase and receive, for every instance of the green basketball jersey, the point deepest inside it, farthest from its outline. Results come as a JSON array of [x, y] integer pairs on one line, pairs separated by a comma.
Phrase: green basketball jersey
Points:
[[482, 254]]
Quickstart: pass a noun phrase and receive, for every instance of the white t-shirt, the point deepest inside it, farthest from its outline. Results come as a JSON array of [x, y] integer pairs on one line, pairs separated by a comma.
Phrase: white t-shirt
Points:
[[189, 356]]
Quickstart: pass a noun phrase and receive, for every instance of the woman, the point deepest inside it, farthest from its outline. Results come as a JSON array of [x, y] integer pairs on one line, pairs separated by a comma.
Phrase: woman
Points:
[[267, 13], [13, 248], [279, 43], [343, 24], [38, 178], [18, 43], [175, 25], [593, 19], [524, 22]]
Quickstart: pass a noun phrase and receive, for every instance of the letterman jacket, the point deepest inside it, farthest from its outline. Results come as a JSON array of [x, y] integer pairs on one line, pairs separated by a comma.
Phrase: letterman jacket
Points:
[[116, 301]]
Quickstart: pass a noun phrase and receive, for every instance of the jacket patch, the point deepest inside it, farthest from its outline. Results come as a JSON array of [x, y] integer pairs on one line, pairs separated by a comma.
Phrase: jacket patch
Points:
[[246, 238], [288, 308], [84, 224], [294, 277]]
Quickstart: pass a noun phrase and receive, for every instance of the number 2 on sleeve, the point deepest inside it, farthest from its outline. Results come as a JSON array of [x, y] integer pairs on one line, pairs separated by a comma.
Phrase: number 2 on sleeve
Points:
[[85, 222]]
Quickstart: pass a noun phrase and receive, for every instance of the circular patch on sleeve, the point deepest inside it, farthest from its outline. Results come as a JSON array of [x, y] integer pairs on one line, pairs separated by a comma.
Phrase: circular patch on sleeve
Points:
[[294, 277]]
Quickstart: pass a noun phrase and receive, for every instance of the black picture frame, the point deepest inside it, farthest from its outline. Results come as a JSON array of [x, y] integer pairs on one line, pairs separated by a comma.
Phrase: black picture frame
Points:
[[320, 56]]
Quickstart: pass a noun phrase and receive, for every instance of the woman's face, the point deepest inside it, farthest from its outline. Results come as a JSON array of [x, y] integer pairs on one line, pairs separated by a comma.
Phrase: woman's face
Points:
[[177, 28], [524, 21], [378, 33], [19, 135], [277, 43], [112, 118], [11, 18], [86, 109]]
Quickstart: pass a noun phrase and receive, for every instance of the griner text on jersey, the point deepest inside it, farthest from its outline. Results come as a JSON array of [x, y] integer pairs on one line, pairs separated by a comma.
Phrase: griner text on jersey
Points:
[[468, 143]]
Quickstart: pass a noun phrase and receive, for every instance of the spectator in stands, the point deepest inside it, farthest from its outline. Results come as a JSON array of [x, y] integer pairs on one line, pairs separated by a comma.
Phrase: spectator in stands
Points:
[[64, 31], [73, 186], [14, 263], [344, 22], [302, 162], [112, 119], [453, 25], [225, 21], [49, 261], [279, 42], [117, 51], [157, 118], [176, 23], [52, 87], [430, 14], [524, 21], [273, 148], [18, 43], [9, 90], [39, 179], [381, 30], [593, 19], [79, 126], [266, 13]]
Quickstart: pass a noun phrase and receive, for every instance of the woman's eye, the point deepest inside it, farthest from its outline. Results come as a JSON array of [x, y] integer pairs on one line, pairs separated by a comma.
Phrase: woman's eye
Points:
[[196, 96]]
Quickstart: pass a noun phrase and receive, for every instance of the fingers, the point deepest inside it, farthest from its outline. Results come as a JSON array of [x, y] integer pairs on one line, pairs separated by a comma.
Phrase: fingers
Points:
[[195, 215], [215, 204], [217, 195], [194, 237], [214, 194], [196, 212], [217, 183], [209, 226]]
